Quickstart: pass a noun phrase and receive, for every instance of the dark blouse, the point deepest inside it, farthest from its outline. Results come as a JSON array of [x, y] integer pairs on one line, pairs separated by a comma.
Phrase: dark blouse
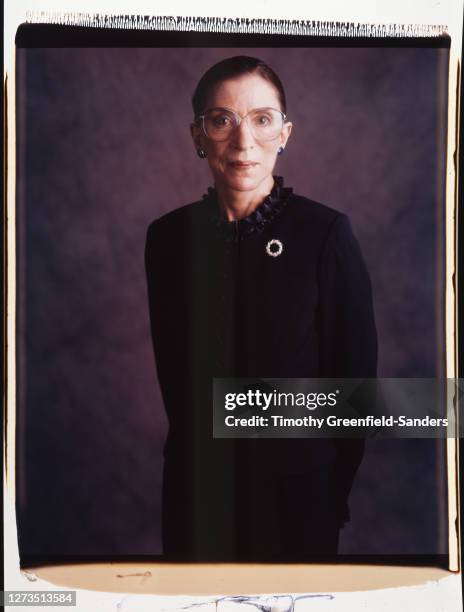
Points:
[[221, 305]]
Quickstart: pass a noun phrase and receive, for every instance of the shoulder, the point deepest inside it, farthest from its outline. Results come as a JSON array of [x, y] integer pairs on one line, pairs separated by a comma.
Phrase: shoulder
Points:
[[312, 210], [324, 221], [306, 210], [178, 217], [175, 222]]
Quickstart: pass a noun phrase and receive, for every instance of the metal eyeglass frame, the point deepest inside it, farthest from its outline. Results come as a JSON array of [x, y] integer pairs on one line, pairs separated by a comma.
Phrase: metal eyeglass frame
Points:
[[239, 120]]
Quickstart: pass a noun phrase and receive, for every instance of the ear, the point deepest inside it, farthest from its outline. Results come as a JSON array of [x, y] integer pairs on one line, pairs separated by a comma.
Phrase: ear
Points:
[[197, 136], [285, 134]]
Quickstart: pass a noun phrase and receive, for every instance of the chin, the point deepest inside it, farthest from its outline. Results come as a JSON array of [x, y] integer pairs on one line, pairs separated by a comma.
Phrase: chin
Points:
[[245, 183]]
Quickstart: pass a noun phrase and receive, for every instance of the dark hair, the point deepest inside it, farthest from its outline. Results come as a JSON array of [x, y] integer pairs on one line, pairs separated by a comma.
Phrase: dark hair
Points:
[[231, 68]]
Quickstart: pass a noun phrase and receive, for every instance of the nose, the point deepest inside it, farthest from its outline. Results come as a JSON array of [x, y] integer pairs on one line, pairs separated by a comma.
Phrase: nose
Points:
[[242, 138]]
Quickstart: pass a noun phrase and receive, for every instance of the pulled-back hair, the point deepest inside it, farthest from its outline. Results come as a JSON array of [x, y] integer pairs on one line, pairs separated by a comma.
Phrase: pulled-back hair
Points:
[[231, 68]]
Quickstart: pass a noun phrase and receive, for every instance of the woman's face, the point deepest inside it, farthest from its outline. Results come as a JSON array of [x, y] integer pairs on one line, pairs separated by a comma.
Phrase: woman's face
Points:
[[242, 162]]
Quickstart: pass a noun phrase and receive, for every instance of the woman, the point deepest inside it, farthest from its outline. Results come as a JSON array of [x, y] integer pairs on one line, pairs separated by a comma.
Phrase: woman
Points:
[[252, 281]]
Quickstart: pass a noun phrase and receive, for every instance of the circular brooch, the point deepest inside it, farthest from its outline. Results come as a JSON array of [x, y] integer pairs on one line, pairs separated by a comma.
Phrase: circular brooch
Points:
[[274, 248]]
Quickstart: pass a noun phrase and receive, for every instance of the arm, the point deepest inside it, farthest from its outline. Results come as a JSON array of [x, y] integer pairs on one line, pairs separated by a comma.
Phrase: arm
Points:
[[162, 311], [348, 337], [348, 341], [154, 276]]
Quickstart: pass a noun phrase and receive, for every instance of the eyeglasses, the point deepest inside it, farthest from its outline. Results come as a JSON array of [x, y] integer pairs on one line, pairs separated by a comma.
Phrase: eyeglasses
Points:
[[264, 123]]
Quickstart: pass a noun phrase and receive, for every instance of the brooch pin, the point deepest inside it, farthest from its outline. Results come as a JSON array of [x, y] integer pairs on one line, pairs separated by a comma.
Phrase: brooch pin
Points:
[[274, 248]]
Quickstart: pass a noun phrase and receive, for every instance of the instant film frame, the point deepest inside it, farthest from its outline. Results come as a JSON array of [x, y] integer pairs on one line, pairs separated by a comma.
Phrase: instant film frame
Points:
[[84, 304], [450, 354]]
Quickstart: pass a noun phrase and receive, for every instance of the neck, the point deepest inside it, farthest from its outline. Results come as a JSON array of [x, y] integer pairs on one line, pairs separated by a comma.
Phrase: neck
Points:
[[239, 204]]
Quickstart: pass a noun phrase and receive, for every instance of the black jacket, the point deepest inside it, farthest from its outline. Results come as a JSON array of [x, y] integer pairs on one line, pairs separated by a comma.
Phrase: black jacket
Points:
[[222, 306]]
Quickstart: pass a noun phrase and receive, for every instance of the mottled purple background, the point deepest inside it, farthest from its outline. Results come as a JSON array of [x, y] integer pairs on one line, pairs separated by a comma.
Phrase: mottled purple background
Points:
[[103, 148]]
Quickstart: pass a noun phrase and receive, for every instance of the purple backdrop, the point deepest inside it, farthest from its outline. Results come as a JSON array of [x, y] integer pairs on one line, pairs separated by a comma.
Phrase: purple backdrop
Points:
[[103, 148]]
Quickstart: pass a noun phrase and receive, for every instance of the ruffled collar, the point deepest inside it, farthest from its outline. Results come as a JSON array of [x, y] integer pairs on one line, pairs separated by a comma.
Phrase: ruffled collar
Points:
[[264, 214]]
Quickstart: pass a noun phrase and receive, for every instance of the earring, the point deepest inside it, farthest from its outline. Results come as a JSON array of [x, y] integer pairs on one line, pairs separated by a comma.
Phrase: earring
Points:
[[280, 150], [201, 153]]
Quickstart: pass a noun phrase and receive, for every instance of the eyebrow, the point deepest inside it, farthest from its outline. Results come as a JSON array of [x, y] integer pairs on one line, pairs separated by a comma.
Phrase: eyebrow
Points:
[[226, 108]]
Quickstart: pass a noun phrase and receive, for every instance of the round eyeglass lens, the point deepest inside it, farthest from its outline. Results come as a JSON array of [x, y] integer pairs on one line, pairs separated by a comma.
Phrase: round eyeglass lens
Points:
[[264, 123]]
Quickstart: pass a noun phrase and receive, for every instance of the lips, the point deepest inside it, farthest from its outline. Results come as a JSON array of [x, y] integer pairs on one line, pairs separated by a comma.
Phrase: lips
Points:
[[243, 164]]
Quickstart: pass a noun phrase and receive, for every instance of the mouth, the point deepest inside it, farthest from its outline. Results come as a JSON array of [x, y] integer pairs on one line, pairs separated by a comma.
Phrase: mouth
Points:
[[242, 165]]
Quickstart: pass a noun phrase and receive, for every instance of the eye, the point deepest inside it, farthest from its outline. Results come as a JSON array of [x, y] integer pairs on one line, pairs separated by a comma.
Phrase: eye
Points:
[[221, 121], [263, 119]]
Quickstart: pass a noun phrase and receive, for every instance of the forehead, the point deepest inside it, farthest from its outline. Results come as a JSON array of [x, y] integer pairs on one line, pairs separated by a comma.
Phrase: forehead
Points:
[[244, 93]]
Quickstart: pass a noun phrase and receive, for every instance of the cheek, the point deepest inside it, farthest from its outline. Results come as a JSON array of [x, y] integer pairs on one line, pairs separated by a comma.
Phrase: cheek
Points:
[[269, 154], [216, 154]]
